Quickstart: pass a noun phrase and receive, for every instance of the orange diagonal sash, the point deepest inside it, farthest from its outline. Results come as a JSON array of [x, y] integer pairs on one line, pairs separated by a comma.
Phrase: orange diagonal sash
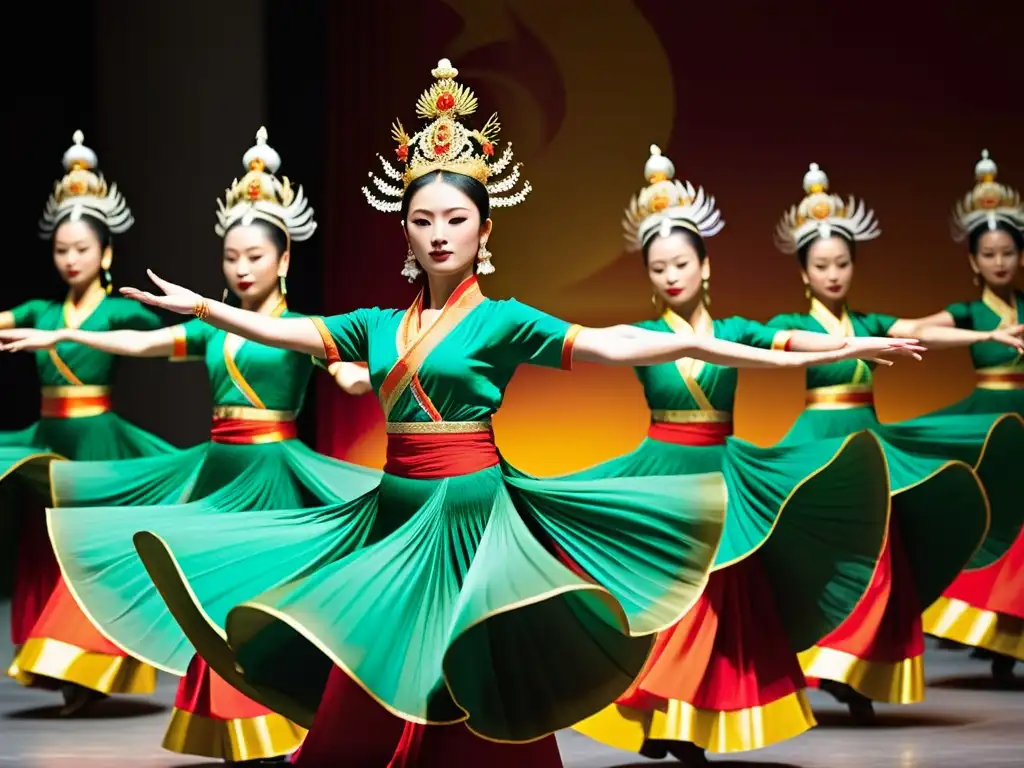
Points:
[[232, 344], [690, 368], [415, 345], [73, 318]]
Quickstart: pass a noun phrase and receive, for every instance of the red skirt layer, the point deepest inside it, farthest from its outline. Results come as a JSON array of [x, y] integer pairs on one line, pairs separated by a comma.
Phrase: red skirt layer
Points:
[[212, 719], [724, 678], [985, 608], [36, 573], [352, 729], [878, 649]]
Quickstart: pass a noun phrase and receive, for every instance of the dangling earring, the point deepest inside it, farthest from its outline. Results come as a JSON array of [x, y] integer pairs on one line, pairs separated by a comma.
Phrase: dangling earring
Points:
[[108, 280], [807, 291], [411, 269], [108, 257], [283, 284], [484, 266], [706, 291], [976, 280]]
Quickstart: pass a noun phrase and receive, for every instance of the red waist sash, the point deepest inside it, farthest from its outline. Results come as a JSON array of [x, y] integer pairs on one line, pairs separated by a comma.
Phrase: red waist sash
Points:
[[432, 450], [690, 427], [1009, 377], [74, 402], [252, 426]]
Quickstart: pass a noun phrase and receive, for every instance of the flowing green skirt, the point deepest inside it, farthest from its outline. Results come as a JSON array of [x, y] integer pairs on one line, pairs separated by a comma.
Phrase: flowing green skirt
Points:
[[937, 499], [103, 505], [514, 604], [816, 514]]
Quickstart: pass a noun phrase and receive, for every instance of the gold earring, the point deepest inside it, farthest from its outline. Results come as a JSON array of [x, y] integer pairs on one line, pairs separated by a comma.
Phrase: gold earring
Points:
[[807, 291], [484, 266], [411, 269], [108, 280], [283, 284], [706, 291]]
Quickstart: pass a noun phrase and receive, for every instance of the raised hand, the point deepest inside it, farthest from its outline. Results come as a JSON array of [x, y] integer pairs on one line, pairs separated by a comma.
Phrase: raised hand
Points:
[[879, 349], [173, 297], [27, 339]]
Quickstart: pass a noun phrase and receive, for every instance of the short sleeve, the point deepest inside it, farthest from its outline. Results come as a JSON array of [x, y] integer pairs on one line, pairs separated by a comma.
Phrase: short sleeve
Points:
[[962, 316], [27, 315], [782, 327], [133, 316], [877, 324], [346, 337], [755, 334], [190, 339], [537, 338]]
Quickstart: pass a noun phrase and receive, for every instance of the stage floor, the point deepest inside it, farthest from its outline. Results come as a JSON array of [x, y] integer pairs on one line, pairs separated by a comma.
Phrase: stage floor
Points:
[[963, 722]]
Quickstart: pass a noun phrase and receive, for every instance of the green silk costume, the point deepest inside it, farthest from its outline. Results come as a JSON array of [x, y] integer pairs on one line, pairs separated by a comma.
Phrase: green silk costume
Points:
[[103, 503], [101, 436], [445, 596], [816, 514], [938, 501]]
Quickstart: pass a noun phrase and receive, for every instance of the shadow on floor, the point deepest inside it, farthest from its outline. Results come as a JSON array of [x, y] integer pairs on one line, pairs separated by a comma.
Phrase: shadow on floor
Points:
[[976, 683], [110, 709], [898, 719]]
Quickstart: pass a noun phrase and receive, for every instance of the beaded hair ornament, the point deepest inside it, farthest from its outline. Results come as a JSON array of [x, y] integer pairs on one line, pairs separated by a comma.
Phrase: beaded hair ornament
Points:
[[666, 203], [261, 195], [447, 144], [821, 214], [84, 191], [988, 204]]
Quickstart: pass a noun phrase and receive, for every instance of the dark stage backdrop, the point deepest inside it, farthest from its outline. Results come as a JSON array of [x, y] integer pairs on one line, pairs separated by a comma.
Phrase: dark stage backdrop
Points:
[[742, 96]]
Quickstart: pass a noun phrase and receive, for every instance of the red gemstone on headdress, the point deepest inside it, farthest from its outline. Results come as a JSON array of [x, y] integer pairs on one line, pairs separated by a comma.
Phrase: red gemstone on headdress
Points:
[[255, 188], [76, 187], [402, 152], [488, 148], [440, 149], [445, 101]]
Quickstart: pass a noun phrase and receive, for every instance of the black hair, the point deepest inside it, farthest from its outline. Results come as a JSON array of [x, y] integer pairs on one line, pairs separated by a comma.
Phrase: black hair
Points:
[[277, 236], [695, 241], [467, 185], [804, 251], [974, 239]]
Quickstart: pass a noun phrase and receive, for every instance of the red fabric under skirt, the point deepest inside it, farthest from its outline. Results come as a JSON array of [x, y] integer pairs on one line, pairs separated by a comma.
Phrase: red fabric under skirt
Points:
[[36, 573], [985, 608], [352, 729], [724, 678], [212, 719], [878, 650], [63, 645]]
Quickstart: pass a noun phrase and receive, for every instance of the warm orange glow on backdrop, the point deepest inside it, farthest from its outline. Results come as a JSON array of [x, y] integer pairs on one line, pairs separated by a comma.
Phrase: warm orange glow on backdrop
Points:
[[741, 100]]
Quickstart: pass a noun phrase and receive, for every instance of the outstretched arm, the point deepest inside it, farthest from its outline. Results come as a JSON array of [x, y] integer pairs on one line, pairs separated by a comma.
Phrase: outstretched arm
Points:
[[295, 333], [628, 345], [158, 343], [944, 336]]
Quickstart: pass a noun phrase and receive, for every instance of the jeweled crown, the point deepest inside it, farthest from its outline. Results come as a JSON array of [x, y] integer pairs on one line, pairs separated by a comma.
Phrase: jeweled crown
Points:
[[259, 194], [83, 191], [988, 203], [821, 214], [667, 202], [447, 144]]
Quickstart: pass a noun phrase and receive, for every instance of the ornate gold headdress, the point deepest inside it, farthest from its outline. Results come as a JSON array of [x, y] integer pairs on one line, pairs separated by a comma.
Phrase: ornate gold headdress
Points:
[[261, 195], [988, 204], [83, 191], [666, 203], [821, 214], [445, 144]]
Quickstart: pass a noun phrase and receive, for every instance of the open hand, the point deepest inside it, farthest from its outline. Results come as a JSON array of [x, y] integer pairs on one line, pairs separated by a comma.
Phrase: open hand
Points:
[[173, 297], [1011, 337], [27, 339], [879, 349]]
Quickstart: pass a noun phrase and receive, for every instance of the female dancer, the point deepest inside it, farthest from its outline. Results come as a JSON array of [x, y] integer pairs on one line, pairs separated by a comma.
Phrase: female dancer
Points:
[[253, 461], [459, 609], [55, 645], [726, 678], [938, 502], [985, 608]]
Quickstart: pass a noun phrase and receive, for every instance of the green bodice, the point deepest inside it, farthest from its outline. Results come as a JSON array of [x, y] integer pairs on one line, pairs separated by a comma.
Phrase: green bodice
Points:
[[244, 373], [462, 363], [90, 366], [819, 320], [679, 386], [987, 314]]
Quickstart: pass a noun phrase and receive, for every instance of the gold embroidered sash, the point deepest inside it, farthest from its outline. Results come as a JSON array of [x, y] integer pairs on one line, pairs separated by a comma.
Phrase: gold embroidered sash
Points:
[[841, 326], [232, 344], [689, 368], [1006, 313], [415, 344], [73, 318]]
